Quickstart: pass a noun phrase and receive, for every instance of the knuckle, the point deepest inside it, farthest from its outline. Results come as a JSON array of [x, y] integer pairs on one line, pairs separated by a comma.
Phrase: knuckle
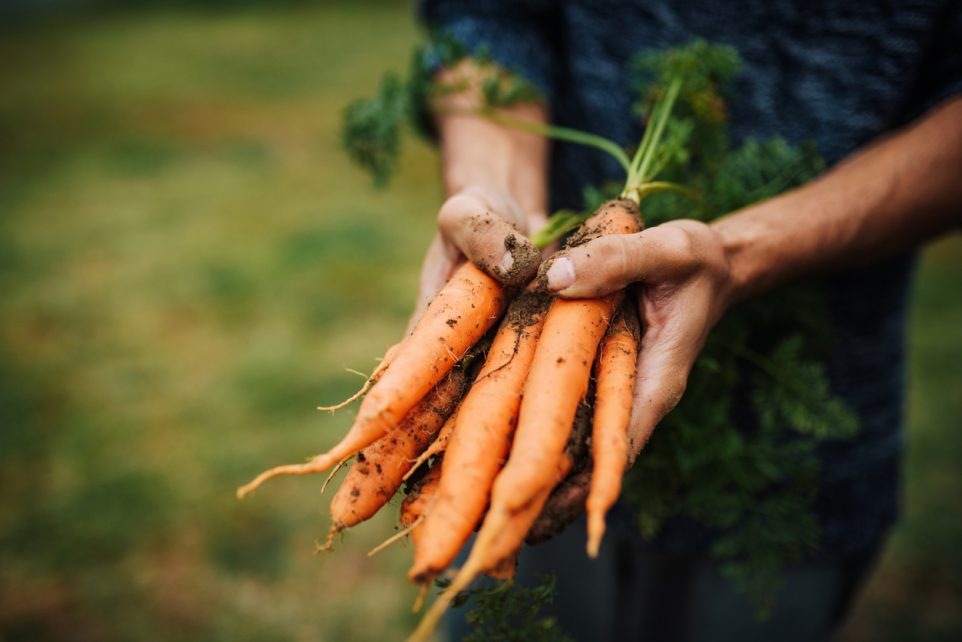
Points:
[[454, 211], [498, 202], [676, 240], [622, 259], [612, 260]]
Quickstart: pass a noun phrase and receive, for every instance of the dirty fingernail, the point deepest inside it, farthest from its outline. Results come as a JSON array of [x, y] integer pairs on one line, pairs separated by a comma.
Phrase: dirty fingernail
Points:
[[561, 274], [506, 262]]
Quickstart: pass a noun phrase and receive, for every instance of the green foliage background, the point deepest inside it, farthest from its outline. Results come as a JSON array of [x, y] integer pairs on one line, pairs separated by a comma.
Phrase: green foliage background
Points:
[[188, 262]]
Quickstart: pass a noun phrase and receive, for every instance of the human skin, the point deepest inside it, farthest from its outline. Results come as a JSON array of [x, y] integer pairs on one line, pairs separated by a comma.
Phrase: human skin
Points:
[[495, 181], [890, 196]]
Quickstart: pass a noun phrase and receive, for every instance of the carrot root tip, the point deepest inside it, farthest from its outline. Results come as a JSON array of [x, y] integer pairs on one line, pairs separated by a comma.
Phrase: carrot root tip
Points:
[[593, 547], [317, 465], [596, 530], [329, 542], [357, 395], [419, 600]]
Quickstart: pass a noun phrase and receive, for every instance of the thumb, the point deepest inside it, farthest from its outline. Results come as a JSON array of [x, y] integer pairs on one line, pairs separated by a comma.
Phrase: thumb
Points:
[[477, 223], [610, 263]]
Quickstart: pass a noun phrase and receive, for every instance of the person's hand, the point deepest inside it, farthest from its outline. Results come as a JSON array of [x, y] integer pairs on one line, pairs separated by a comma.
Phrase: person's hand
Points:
[[487, 227], [886, 198], [683, 278]]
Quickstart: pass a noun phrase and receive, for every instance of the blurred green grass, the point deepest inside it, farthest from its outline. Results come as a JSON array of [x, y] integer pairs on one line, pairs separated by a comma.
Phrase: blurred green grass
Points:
[[188, 264]]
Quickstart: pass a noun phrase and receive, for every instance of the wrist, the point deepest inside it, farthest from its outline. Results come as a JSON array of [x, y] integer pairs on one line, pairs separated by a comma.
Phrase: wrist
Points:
[[476, 152], [745, 237], [736, 242]]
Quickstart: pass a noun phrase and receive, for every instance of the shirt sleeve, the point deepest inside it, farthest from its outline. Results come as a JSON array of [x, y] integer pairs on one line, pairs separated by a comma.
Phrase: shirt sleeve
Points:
[[519, 35]]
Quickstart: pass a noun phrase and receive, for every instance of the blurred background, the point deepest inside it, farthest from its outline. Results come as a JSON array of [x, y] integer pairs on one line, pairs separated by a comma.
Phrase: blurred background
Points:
[[187, 266]]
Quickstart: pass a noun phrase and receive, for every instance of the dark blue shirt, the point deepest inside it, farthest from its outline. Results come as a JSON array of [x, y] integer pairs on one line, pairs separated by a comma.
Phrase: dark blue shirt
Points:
[[835, 72]]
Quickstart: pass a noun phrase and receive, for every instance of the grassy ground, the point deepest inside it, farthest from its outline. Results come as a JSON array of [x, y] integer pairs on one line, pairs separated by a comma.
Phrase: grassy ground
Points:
[[188, 265]]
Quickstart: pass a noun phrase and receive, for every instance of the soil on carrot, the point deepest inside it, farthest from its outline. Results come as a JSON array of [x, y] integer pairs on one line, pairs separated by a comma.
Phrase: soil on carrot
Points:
[[527, 308], [580, 438], [629, 310], [563, 507], [590, 232]]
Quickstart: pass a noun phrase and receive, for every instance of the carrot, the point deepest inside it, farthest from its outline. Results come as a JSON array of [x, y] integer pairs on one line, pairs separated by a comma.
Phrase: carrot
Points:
[[615, 384], [560, 373], [418, 502], [566, 501], [379, 469], [506, 568], [557, 382], [413, 509], [481, 437], [465, 308], [499, 539]]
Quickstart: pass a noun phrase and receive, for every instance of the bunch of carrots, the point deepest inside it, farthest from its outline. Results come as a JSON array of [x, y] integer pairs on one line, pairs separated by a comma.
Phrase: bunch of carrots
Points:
[[484, 393]]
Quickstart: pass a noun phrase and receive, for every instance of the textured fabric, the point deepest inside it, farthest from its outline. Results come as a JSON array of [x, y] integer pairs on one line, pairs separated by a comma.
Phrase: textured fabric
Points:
[[834, 72]]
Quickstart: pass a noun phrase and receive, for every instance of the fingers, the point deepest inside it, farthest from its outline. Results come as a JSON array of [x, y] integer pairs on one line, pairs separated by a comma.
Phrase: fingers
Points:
[[670, 345], [610, 263], [485, 227], [656, 394]]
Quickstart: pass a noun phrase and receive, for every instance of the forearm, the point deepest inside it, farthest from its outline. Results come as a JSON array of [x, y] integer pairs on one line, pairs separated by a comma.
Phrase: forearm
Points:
[[887, 198], [478, 152]]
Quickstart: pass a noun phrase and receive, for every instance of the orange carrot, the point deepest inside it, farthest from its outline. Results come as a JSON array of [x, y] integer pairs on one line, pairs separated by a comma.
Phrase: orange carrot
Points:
[[560, 374], [614, 391], [481, 438], [413, 509], [456, 318], [500, 538], [506, 568], [418, 503], [378, 470], [567, 499]]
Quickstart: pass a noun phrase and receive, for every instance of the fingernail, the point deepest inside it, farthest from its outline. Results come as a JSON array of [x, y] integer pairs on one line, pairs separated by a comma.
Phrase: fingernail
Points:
[[561, 274], [506, 262]]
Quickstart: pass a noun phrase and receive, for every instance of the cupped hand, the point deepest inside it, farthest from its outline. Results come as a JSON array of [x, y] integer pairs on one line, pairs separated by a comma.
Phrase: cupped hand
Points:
[[684, 287], [487, 227]]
